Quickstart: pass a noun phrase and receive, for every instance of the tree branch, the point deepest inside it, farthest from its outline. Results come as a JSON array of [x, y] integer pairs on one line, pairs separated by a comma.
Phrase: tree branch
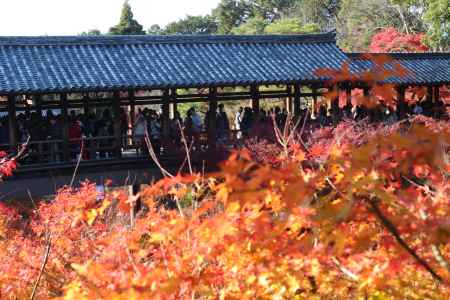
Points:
[[41, 271], [394, 231]]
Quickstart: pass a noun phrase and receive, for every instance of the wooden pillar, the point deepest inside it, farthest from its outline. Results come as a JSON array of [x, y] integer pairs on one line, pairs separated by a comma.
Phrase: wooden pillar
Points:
[[297, 99], [335, 107], [166, 118], [38, 106], [132, 107], [429, 96], [117, 125], [401, 102], [314, 104], [37, 99], [173, 103], [348, 95], [212, 122], [254, 91], [174, 108], [86, 104], [12, 122], [65, 126], [289, 101], [366, 91], [436, 94]]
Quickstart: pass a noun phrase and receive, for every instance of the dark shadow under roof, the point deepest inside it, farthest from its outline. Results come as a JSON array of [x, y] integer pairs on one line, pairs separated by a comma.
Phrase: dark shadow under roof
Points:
[[66, 64]]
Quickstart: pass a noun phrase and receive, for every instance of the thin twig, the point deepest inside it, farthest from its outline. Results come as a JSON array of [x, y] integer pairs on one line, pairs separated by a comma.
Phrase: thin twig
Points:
[[439, 257], [186, 148], [435, 249], [80, 156], [41, 271], [425, 189], [132, 199], [185, 159], [31, 198], [344, 270], [152, 154]]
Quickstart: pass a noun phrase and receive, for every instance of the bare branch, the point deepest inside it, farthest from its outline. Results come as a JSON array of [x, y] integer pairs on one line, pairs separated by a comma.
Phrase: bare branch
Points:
[[41, 271], [152, 154], [80, 155], [186, 148]]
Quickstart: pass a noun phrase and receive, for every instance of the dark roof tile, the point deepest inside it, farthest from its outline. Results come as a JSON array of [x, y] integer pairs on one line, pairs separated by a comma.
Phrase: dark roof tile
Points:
[[425, 68], [46, 64]]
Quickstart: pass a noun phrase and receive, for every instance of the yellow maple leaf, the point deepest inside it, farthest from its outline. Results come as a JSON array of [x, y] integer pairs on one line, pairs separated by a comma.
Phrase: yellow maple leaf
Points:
[[91, 216]]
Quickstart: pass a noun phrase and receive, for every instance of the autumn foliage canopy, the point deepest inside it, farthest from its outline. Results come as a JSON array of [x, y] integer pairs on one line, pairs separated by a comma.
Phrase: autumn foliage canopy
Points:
[[357, 211], [391, 40]]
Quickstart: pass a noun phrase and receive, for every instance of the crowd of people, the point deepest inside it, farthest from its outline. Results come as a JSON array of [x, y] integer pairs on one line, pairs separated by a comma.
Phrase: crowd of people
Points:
[[95, 131], [45, 134]]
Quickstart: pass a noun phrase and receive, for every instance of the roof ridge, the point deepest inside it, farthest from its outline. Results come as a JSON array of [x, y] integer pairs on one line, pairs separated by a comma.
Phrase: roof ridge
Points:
[[163, 39]]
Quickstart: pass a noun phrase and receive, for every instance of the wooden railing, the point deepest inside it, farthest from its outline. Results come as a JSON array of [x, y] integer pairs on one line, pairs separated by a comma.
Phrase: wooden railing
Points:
[[47, 153]]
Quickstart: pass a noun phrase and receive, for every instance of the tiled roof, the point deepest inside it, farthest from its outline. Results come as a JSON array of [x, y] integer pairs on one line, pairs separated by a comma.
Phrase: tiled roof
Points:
[[423, 68], [52, 64]]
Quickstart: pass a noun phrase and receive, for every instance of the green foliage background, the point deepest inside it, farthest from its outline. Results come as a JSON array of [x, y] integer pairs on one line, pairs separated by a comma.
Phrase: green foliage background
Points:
[[355, 21]]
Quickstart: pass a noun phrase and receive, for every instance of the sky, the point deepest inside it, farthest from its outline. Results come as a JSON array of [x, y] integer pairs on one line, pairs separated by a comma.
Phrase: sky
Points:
[[71, 17]]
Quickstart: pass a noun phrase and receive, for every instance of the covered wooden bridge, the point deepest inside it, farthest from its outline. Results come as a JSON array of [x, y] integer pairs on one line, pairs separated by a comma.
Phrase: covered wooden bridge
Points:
[[42, 75]]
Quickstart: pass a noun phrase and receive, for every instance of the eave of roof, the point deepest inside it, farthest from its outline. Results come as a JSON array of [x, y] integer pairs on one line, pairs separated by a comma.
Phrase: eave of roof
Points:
[[426, 68]]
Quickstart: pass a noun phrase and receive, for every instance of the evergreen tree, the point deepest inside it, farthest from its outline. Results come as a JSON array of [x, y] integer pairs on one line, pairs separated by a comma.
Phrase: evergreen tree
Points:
[[127, 24], [192, 25], [271, 9], [155, 29], [91, 32], [254, 25], [291, 26], [231, 13]]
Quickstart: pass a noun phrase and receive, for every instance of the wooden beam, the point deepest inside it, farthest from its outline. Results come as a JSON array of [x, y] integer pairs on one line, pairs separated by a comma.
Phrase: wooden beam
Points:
[[65, 126], [212, 117], [117, 119], [297, 99], [12, 122], [254, 91]]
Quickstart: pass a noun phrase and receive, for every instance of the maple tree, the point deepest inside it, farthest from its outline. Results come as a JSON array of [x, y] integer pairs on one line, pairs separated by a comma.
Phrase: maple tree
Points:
[[391, 40], [356, 211]]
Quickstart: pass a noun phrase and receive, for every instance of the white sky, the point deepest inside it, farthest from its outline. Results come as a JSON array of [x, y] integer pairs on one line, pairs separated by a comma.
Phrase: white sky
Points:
[[71, 17]]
